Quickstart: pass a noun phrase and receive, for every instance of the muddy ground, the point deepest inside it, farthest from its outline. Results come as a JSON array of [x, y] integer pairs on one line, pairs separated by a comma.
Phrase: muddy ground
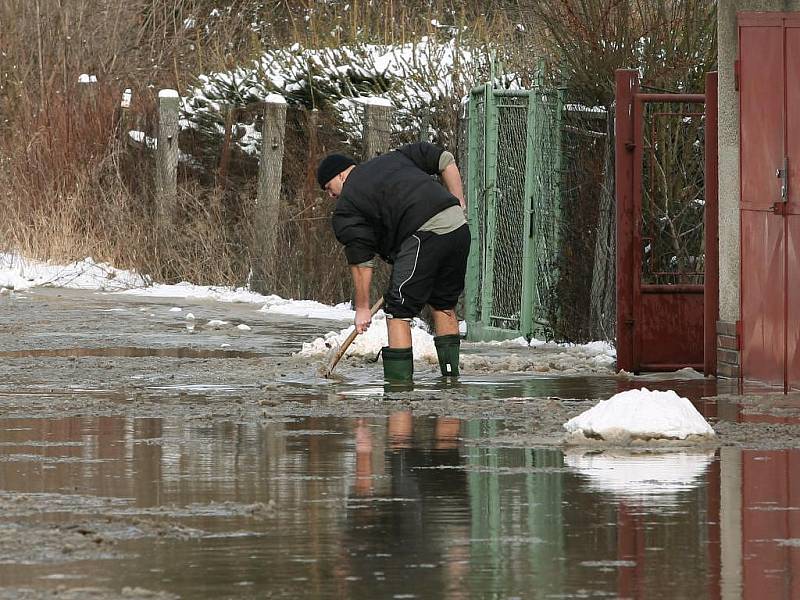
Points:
[[70, 354], [77, 353]]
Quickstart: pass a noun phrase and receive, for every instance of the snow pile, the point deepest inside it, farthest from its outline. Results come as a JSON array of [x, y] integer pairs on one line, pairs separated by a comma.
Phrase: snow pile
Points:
[[369, 343], [19, 274], [641, 476], [13, 280], [640, 415]]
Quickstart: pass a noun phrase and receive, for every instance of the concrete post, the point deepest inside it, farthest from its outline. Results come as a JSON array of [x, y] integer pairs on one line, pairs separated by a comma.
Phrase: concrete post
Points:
[[125, 114], [167, 156], [88, 86], [377, 126], [268, 208]]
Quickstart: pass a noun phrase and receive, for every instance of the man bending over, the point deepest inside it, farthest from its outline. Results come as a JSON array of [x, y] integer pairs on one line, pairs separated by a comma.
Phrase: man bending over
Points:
[[392, 207]]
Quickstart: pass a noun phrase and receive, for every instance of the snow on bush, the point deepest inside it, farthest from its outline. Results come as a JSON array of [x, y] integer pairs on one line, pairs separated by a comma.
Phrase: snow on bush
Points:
[[418, 78]]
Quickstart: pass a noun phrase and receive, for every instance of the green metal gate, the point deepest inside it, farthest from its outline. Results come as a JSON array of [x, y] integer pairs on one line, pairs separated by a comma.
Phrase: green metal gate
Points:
[[513, 200]]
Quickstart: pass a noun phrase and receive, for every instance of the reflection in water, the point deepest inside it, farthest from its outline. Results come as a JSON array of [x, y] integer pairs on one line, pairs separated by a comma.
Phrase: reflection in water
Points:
[[398, 538], [645, 477], [371, 507], [129, 352], [524, 385], [770, 524]]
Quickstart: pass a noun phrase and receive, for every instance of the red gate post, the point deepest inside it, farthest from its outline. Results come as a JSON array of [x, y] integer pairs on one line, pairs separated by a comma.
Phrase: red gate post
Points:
[[711, 277], [627, 85]]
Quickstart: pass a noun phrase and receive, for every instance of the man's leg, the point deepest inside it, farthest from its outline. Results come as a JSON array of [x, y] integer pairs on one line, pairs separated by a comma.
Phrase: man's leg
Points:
[[445, 321], [399, 333], [449, 283], [404, 298]]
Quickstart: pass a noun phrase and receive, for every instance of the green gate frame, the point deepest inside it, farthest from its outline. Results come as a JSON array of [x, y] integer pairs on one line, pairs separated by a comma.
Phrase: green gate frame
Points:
[[544, 110]]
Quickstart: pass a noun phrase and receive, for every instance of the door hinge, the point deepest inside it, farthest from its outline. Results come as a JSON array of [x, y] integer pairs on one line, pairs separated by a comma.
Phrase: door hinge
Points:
[[736, 74]]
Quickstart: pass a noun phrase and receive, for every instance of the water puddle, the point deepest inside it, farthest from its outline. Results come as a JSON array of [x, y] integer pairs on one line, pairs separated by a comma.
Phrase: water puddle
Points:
[[397, 507], [525, 386], [128, 352]]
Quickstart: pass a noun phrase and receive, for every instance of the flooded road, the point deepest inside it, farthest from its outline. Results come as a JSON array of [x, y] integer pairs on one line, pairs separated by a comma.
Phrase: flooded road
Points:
[[384, 508], [139, 459]]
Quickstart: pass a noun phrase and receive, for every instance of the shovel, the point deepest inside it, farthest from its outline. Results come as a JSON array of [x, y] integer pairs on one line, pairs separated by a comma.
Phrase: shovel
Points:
[[328, 372]]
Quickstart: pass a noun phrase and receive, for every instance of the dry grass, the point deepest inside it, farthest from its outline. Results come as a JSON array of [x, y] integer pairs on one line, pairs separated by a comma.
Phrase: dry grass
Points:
[[73, 184]]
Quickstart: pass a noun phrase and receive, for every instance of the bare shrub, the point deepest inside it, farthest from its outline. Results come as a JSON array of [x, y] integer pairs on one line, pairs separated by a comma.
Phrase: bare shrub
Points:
[[672, 42], [74, 183]]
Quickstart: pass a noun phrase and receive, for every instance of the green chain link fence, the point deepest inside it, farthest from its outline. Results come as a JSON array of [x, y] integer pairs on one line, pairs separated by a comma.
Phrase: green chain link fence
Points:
[[535, 184]]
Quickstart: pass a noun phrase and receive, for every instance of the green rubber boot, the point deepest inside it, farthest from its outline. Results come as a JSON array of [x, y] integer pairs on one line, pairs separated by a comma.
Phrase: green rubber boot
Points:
[[447, 349], [398, 364]]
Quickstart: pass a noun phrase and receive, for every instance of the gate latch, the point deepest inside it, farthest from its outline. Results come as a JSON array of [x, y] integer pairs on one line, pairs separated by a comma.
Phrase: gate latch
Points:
[[783, 175]]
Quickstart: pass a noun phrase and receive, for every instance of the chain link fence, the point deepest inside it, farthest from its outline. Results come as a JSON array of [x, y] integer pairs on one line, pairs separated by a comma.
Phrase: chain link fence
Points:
[[509, 193], [539, 209]]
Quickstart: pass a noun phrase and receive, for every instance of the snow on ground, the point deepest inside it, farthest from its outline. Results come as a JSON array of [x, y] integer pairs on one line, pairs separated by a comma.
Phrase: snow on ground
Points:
[[18, 273], [541, 357], [640, 415], [518, 355]]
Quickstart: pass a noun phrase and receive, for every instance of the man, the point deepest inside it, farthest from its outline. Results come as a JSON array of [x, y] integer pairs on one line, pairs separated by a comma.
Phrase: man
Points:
[[391, 206]]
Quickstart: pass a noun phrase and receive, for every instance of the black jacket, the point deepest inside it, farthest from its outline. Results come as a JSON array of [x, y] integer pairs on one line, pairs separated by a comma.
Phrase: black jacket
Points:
[[386, 199]]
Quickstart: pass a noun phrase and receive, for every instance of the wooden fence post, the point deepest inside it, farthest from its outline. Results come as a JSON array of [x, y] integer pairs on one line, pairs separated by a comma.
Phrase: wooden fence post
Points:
[[167, 156], [377, 126], [264, 254]]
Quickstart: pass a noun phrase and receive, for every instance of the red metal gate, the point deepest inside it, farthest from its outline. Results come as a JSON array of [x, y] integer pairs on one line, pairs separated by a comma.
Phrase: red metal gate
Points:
[[769, 112], [666, 168]]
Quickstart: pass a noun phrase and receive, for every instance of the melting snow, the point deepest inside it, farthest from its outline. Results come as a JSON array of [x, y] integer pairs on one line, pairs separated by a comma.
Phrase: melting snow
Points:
[[640, 414], [369, 343], [519, 355], [19, 274]]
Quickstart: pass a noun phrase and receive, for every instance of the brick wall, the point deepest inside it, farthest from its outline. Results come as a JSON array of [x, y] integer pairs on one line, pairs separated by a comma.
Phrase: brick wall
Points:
[[727, 350]]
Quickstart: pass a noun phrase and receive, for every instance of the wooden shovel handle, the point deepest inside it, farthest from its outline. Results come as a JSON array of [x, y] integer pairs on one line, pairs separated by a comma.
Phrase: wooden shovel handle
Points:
[[349, 340]]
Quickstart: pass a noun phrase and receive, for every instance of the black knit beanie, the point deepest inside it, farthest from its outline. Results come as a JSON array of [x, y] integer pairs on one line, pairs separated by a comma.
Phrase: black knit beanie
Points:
[[331, 166]]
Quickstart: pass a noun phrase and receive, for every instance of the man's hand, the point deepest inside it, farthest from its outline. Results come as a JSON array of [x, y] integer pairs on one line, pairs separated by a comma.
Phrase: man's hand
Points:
[[363, 319], [362, 276]]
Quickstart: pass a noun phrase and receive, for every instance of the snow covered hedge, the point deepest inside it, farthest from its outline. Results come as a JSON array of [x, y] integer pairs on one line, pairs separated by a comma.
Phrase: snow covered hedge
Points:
[[425, 81]]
